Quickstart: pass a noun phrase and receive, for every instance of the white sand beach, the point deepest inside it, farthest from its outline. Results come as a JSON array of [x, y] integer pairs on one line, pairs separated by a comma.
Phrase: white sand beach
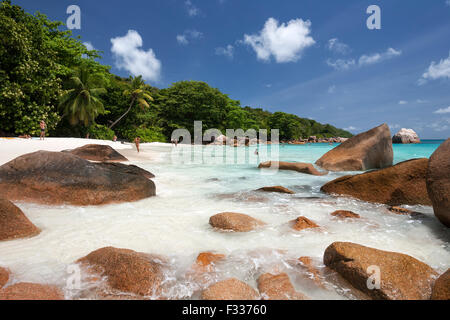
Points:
[[11, 148]]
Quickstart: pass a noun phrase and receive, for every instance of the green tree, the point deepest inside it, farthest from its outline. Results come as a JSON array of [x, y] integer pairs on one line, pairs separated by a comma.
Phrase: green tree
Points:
[[81, 102], [187, 101], [139, 93], [36, 57]]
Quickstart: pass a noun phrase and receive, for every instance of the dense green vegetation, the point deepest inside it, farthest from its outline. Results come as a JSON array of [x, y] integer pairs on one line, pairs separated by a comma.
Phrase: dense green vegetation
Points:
[[46, 74]]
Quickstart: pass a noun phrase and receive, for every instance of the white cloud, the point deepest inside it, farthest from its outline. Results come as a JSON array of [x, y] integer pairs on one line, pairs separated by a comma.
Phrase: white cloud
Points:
[[192, 10], [194, 34], [181, 39], [394, 126], [440, 125], [332, 89], [420, 100], [89, 45], [364, 60], [443, 110], [437, 71], [228, 51], [285, 42], [341, 64], [351, 128], [447, 3], [336, 46], [403, 102], [188, 35], [378, 57], [129, 56]]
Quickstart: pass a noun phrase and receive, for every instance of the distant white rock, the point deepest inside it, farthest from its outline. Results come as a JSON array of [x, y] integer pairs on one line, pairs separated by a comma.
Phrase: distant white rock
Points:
[[406, 136]]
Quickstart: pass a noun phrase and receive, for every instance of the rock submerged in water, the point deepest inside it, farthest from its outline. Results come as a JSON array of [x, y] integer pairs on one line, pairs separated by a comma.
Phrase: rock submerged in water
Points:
[[401, 211], [126, 270], [301, 167], [31, 291], [13, 223], [312, 272], [368, 150], [231, 289], [276, 189], [402, 277], [4, 277], [441, 288], [98, 152], [206, 260], [344, 214], [406, 136], [278, 287], [402, 184], [237, 222], [438, 182], [61, 178], [302, 223]]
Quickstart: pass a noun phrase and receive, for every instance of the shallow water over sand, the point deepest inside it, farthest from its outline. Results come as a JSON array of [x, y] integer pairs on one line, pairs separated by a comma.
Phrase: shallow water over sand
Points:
[[175, 224]]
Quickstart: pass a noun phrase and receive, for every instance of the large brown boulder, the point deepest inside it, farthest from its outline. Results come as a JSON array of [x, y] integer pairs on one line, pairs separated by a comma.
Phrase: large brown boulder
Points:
[[4, 277], [231, 289], [31, 291], [276, 189], [130, 169], [13, 222], [238, 222], [368, 150], [406, 136], [438, 182], [278, 287], [441, 288], [402, 277], [98, 152], [62, 178], [126, 270], [301, 167], [403, 183]]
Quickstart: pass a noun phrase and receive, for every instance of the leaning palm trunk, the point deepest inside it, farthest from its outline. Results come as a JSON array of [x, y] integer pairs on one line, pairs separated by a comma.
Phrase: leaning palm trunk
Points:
[[122, 116]]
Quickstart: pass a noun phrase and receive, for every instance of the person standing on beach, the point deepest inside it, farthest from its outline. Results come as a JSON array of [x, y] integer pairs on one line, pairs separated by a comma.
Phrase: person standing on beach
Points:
[[137, 141], [43, 127]]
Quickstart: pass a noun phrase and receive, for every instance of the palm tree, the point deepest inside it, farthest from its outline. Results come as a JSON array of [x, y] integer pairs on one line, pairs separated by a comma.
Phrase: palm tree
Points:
[[81, 103], [138, 93]]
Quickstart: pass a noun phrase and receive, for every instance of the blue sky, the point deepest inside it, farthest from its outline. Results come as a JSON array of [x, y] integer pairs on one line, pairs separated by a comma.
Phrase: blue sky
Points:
[[316, 59]]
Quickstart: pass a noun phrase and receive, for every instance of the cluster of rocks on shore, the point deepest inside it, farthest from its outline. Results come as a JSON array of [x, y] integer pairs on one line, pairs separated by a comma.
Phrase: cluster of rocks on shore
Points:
[[243, 141], [72, 178], [404, 136]]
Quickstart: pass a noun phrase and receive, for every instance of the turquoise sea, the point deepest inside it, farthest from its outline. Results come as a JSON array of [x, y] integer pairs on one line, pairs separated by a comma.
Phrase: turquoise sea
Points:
[[402, 152]]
